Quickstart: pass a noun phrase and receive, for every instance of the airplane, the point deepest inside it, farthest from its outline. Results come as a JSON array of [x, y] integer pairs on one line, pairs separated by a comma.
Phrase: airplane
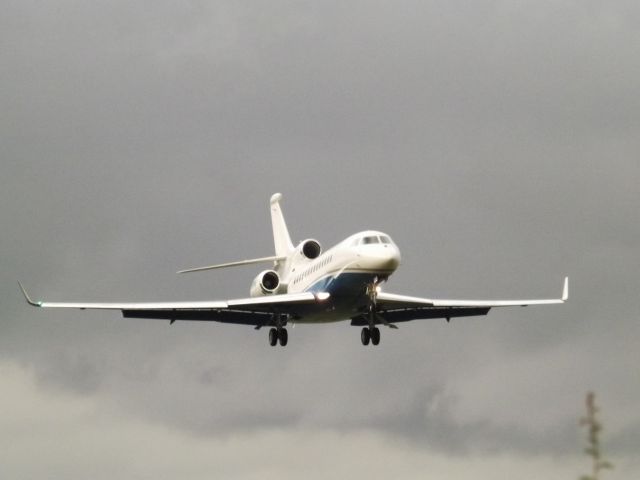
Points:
[[307, 285]]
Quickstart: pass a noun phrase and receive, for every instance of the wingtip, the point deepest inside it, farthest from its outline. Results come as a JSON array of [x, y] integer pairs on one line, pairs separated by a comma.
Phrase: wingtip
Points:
[[565, 290], [27, 298]]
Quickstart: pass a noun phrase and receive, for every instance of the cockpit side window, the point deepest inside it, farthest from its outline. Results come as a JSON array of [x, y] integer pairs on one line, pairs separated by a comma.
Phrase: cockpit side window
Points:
[[369, 240]]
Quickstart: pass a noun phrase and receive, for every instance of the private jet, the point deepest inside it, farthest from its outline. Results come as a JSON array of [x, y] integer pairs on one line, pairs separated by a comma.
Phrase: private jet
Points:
[[309, 285]]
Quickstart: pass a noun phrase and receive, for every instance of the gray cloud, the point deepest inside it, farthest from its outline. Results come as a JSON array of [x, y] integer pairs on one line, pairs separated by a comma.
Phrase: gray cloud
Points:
[[496, 143]]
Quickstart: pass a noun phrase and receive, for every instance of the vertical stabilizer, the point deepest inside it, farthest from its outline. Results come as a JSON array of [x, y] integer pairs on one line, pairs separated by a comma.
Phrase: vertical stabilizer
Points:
[[281, 237]]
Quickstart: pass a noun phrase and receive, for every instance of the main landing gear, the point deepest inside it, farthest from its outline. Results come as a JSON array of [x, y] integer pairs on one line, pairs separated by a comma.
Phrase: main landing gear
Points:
[[278, 335], [370, 334]]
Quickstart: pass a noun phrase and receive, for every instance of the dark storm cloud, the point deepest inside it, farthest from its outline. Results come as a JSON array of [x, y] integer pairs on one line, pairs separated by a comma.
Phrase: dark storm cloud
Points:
[[496, 142], [430, 421], [82, 375]]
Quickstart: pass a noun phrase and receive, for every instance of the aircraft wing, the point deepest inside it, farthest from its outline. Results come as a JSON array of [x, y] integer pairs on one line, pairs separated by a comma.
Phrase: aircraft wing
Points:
[[401, 308], [257, 311]]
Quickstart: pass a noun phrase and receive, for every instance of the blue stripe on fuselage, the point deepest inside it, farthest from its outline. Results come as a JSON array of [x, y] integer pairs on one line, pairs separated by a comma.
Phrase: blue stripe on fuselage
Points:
[[346, 284]]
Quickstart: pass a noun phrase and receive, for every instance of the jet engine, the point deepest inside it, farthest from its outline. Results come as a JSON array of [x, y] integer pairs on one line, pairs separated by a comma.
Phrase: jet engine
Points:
[[310, 249], [265, 283]]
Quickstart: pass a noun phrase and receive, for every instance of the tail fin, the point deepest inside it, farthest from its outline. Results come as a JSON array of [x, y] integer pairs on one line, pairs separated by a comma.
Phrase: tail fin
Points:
[[281, 237]]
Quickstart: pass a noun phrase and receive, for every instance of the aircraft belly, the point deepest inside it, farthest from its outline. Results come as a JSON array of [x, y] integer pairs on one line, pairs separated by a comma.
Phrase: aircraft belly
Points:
[[330, 314], [347, 298], [324, 317]]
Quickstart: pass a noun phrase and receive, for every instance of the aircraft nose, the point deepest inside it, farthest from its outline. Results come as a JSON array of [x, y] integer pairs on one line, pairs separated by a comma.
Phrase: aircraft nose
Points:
[[386, 258], [392, 257]]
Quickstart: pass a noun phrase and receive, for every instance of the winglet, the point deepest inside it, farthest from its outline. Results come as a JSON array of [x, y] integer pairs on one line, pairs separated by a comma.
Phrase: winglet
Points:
[[26, 297], [565, 290]]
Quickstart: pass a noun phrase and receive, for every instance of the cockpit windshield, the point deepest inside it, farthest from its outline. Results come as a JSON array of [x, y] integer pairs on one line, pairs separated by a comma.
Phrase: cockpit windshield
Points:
[[372, 239]]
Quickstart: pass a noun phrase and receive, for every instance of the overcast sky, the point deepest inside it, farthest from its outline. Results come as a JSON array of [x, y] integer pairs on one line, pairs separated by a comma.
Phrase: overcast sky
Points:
[[495, 141]]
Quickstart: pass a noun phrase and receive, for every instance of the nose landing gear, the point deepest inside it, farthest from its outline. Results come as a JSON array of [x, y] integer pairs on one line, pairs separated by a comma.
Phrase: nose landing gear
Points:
[[372, 333]]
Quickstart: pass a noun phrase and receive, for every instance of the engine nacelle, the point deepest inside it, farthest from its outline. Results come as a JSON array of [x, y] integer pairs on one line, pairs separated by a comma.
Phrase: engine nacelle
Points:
[[265, 283], [310, 249]]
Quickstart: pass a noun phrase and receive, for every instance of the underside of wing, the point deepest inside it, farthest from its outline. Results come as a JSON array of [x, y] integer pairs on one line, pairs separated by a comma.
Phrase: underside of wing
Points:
[[255, 311], [401, 308], [258, 311], [397, 315]]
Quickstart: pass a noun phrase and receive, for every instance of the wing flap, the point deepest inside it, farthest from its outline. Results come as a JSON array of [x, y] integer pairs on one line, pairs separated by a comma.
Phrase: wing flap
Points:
[[223, 316], [421, 313]]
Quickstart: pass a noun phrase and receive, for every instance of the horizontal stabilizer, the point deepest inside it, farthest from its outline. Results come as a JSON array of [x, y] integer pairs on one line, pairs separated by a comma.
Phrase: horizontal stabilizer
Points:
[[235, 264]]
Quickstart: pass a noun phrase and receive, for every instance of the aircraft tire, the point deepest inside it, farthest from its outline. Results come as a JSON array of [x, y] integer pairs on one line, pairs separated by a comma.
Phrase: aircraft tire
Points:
[[273, 337], [375, 336], [283, 336], [365, 336]]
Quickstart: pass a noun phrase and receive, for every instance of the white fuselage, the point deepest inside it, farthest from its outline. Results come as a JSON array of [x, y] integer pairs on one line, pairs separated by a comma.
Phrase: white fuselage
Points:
[[345, 271]]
